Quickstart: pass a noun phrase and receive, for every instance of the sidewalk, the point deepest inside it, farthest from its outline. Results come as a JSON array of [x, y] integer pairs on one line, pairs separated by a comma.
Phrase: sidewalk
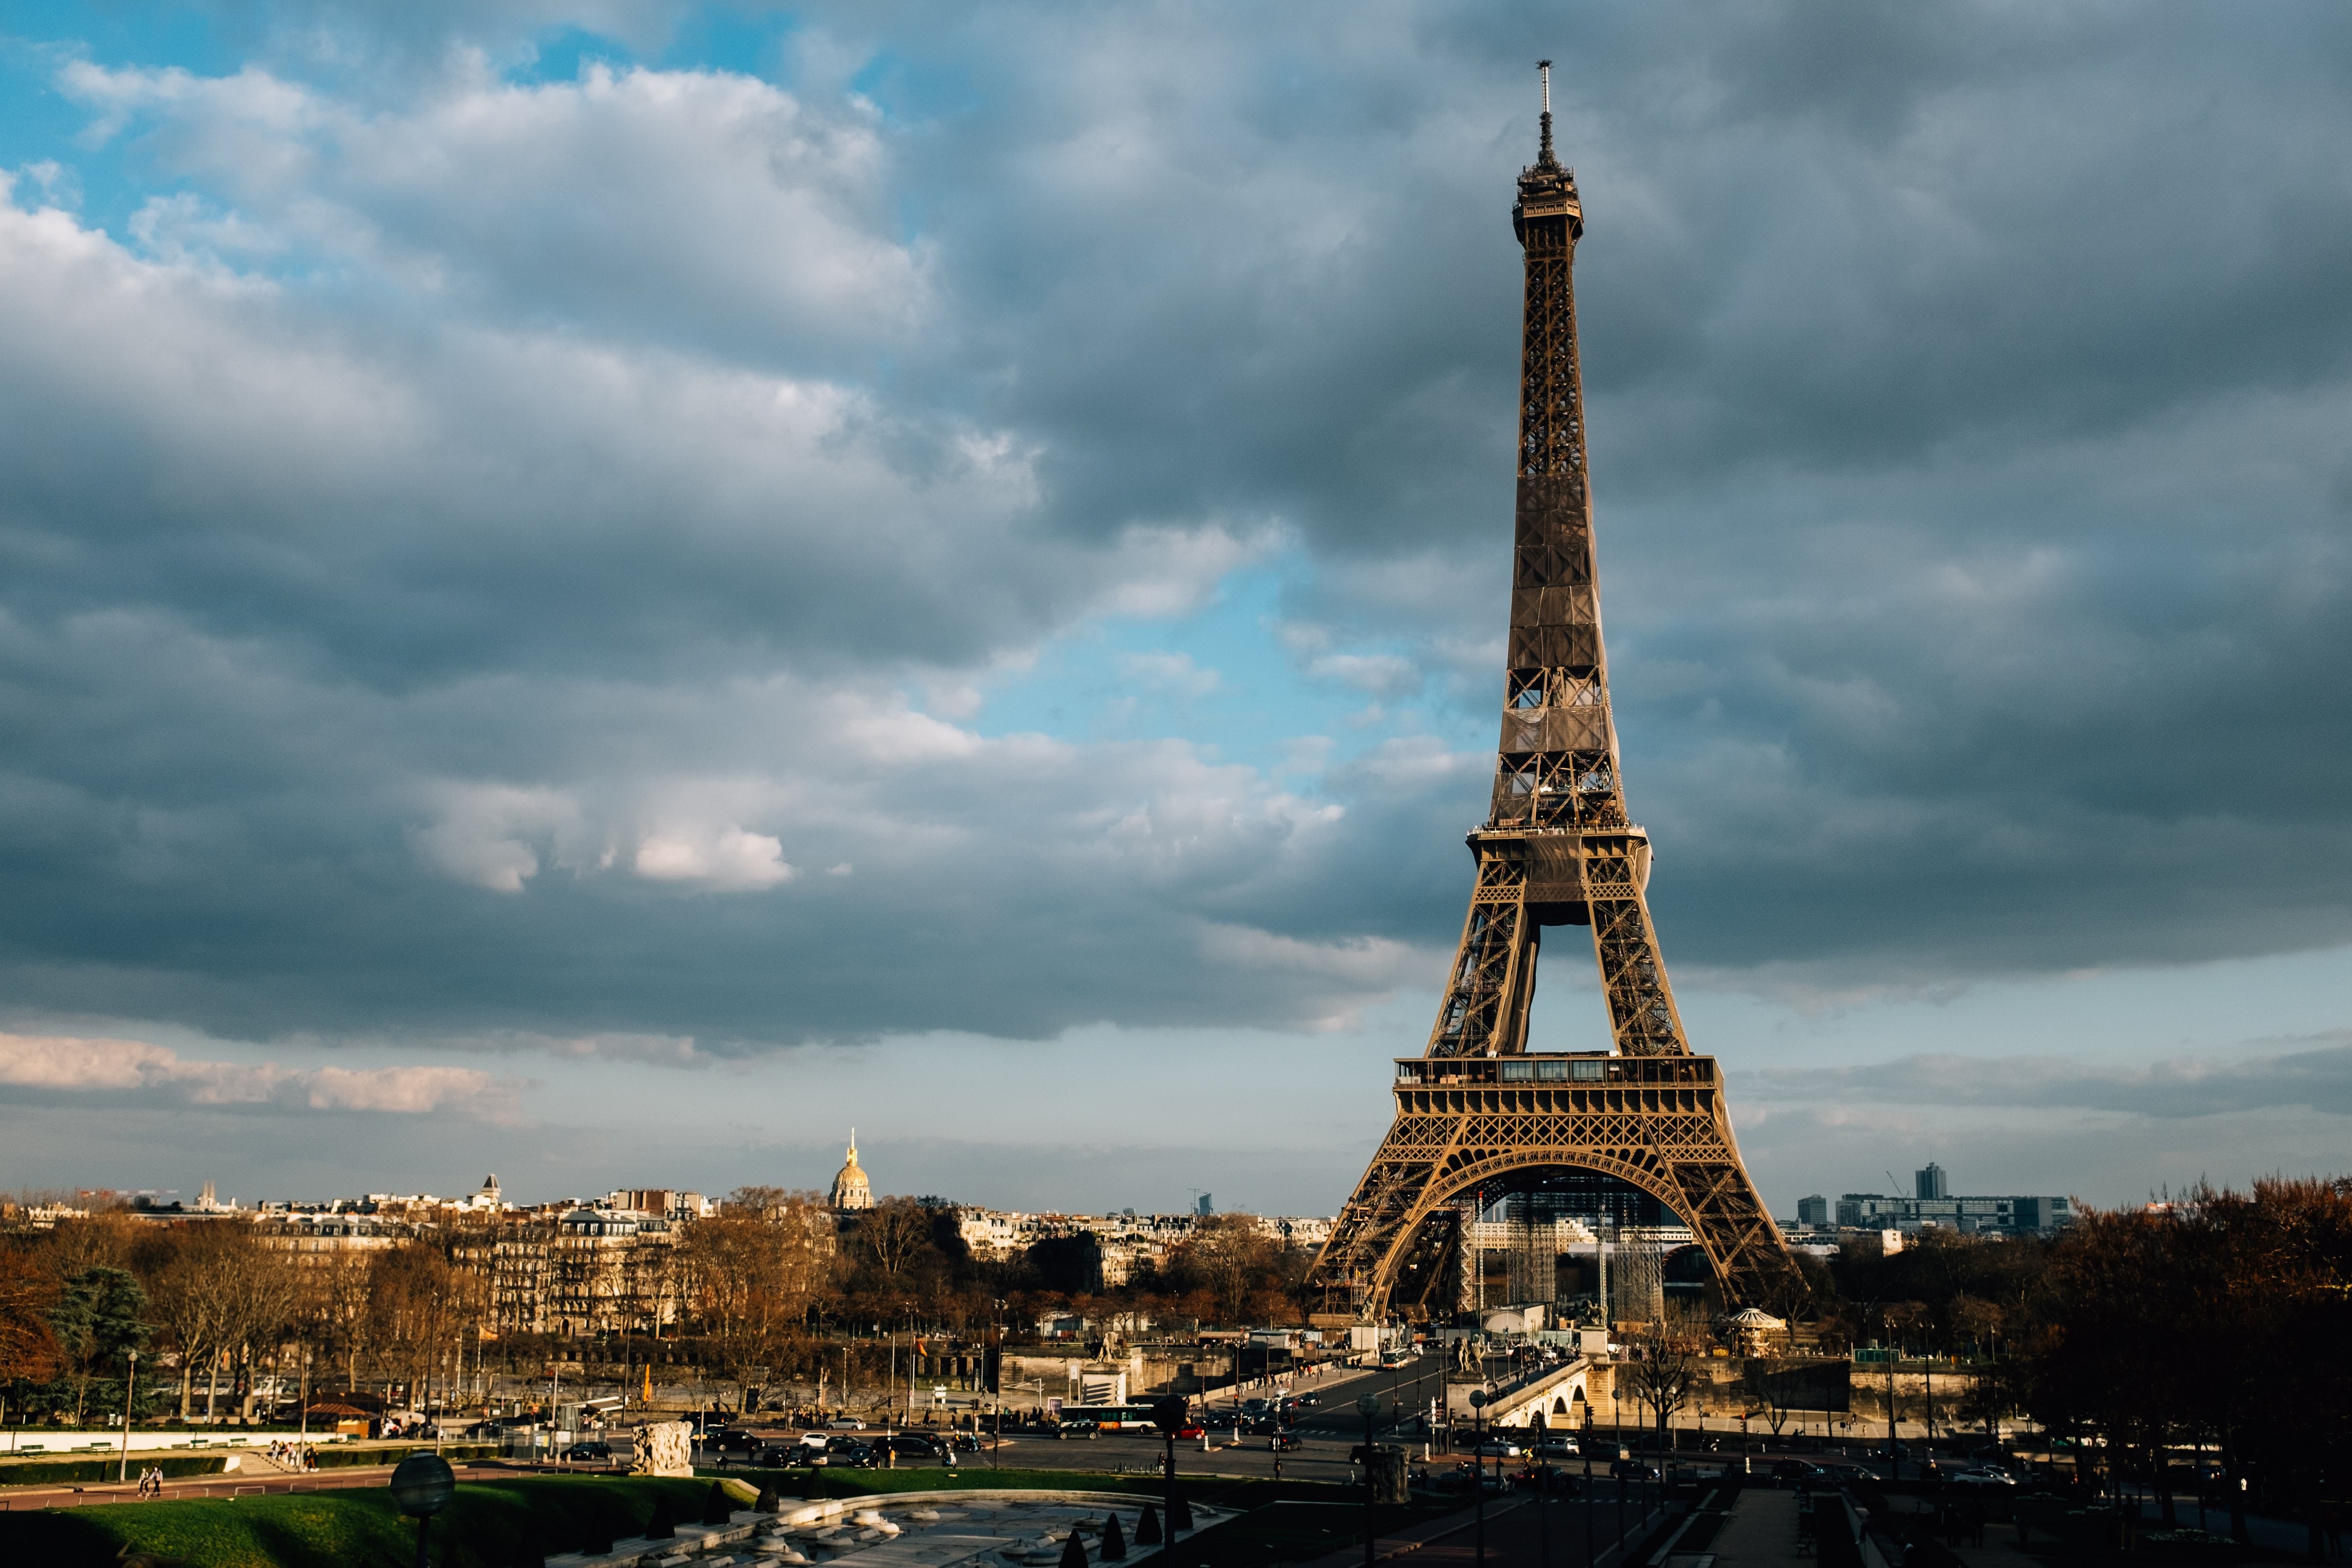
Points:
[[1518, 1533], [1760, 1531]]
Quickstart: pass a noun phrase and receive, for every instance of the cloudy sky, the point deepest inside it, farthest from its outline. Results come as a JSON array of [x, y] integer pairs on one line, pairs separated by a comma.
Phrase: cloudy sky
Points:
[[605, 590]]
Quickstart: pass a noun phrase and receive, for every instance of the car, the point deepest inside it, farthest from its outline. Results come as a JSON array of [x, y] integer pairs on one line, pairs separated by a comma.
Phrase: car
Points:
[[1983, 1477], [733, 1439], [911, 1446], [1557, 1448], [1635, 1470], [1462, 1477], [1282, 1442], [588, 1453], [1190, 1430], [1496, 1448], [1796, 1472], [844, 1423], [1304, 1400], [845, 1454]]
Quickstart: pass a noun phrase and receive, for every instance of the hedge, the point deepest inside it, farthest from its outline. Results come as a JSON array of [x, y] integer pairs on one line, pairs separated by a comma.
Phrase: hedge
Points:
[[103, 1467]]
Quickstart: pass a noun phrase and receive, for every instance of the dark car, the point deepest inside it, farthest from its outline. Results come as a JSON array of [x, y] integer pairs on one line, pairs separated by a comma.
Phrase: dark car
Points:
[[847, 1454], [1282, 1442], [733, 1440], [1635, 1470], [1796, 1472], [588, 1453], [914, 1445]]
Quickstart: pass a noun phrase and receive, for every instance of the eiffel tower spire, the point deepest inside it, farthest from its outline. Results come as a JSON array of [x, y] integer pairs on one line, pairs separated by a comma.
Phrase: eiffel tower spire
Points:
[[1479, 1116]]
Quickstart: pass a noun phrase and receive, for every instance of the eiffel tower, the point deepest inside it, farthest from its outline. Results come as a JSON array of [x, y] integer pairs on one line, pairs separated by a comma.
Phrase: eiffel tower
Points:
[[1480, 1117]]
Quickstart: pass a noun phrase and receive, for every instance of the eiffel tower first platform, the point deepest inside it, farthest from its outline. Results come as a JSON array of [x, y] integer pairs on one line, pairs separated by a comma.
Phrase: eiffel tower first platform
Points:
[[1478, 1116]]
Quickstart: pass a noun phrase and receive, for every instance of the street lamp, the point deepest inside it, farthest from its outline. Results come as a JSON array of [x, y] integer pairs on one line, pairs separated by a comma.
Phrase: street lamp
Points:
[[1478, 1460], [1369, 1407], [130, 1381], [1168, 1414], [422, 1486]]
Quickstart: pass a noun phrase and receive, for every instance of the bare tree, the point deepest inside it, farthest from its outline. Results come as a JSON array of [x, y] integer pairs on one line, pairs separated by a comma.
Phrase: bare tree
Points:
[[1668, 1356]]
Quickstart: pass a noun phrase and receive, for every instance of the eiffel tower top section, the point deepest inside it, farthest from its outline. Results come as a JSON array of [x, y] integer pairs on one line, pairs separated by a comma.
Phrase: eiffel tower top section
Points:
[[1558, 752]]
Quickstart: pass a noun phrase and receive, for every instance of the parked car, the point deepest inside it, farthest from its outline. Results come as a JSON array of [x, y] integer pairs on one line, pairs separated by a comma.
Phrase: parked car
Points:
[[845, 1454], [588, 1453], [844, 1423]]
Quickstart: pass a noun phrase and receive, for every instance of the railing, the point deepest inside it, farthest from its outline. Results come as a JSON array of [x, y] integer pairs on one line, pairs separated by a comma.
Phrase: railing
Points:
[[1552, 1070]]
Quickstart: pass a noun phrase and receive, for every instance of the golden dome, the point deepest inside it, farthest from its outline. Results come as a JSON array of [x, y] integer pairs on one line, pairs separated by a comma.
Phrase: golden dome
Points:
[[851, 1190]]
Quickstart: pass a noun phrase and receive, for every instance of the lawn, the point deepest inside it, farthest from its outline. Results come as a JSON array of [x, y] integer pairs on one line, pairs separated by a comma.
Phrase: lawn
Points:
[[494, 1524]]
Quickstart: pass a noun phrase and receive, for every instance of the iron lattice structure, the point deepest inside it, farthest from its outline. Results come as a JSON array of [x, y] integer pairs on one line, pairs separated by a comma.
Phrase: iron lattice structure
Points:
[[1477, 1111]]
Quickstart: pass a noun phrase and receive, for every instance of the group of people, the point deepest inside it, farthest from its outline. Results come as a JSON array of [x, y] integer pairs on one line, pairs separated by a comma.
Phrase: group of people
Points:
[[150, 1481], [294, 1455]]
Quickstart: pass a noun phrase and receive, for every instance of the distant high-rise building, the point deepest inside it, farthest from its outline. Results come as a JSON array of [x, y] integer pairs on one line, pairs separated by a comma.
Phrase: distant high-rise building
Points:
[[1814, 1210], [1204, 1208], [1931, 1182]]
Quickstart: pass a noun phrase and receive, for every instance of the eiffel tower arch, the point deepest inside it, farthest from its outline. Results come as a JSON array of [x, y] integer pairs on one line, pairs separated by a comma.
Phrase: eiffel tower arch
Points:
[[1478, 1115]]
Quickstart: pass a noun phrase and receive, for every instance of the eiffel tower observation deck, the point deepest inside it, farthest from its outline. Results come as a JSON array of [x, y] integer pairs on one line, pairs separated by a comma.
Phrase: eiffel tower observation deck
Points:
[[1480, 1119]]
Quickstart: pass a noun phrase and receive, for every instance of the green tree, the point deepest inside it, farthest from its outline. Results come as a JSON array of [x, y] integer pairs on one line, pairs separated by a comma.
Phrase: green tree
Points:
[[98, 1321]]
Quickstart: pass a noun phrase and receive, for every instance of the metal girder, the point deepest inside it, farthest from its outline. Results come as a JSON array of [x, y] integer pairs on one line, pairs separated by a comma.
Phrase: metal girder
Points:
[[1556, 848]]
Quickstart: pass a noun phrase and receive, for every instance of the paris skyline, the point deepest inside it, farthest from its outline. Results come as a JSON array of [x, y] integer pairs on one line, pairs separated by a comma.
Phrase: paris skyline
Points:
[[587, 572]]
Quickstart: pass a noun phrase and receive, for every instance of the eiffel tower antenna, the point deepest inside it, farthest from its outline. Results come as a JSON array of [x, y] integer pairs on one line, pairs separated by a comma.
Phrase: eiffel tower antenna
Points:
[[1478, 1116], [1544, 157]]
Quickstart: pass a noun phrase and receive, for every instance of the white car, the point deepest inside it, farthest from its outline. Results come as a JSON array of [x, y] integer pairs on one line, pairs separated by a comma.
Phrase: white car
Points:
[[844, 1423], [1983, 1476]]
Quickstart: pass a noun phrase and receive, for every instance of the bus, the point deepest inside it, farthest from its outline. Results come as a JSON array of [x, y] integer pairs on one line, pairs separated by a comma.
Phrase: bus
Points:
[[1106, 1418]]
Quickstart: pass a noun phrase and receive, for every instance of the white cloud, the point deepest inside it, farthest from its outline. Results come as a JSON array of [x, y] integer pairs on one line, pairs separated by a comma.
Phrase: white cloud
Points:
[[66, 1066], [492, 835], [730, 860]]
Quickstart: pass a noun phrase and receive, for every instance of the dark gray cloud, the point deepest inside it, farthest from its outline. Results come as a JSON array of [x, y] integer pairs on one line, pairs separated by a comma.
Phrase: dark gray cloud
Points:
[[465, 557], [2317, 1079]]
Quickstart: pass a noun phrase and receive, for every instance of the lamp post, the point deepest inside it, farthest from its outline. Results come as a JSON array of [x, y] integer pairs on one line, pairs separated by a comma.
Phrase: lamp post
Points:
[[1369, 1407], [1478, 1460], [130, 1381], [422, 1486], [1167, 1413]]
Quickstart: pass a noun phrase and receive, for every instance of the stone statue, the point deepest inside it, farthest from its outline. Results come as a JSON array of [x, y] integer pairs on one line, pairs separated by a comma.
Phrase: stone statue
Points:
[[664, 1448]]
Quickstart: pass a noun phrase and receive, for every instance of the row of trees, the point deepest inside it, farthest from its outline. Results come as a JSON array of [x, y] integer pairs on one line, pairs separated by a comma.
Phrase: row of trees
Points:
[[754, 1295], [2220, 1318]]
